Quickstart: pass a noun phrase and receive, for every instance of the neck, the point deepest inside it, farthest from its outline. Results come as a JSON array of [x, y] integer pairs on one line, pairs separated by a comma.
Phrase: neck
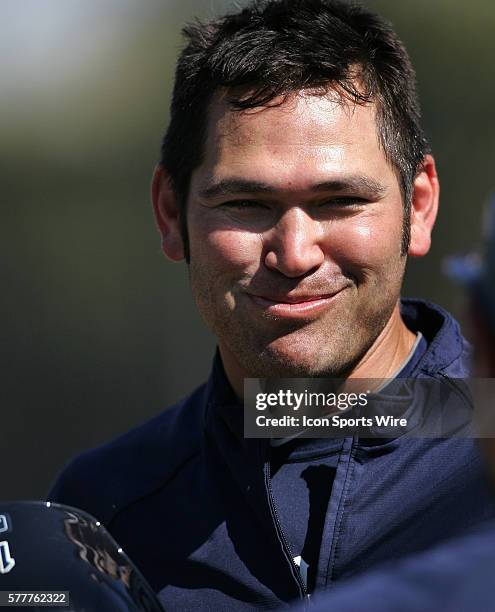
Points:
[[383, 358], [388, 352]]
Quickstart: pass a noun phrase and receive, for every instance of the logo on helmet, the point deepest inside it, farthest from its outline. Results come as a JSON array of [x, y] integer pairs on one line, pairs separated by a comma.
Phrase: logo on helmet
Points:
[[7, 562], [4, 523]]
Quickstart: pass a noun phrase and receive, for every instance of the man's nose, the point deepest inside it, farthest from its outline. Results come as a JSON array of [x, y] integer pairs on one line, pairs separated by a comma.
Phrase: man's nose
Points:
[[293, 245]]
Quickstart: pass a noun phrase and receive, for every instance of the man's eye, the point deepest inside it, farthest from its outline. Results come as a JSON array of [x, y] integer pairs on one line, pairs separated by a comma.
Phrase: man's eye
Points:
[[344, 201], [243, 204]]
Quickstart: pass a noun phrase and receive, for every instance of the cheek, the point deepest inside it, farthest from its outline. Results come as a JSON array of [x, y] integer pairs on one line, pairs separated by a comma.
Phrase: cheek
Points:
[[221, 260], [365, 243], [218, 246], [232, 249]]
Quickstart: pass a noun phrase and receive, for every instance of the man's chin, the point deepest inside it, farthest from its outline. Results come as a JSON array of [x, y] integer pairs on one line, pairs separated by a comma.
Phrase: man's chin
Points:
[[288, 362], [297, 354]]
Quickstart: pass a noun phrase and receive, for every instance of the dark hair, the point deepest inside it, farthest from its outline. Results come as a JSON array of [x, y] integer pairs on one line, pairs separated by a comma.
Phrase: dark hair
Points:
[[274, 48]]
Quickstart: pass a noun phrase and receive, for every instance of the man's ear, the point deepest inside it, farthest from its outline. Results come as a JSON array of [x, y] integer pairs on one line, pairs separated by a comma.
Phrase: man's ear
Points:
[[424, 207], [167, 214]]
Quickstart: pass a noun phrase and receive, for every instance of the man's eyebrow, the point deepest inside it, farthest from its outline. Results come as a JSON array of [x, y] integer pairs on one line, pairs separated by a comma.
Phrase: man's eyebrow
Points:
[[352, 183], [231, 187]]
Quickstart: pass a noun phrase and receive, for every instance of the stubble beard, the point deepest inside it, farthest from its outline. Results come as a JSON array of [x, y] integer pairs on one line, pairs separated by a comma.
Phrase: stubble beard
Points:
[[327, 353], [331, 351]]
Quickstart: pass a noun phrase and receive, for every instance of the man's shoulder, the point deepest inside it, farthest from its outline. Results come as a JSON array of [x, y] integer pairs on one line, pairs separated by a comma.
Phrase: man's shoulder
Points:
[[105, 479]]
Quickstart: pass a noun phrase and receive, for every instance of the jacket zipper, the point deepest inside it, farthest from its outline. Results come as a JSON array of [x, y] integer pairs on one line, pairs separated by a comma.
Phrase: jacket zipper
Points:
[[456, 387], [303, 591]]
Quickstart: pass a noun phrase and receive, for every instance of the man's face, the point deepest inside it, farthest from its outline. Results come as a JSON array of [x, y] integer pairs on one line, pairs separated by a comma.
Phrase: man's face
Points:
[[295, 221]]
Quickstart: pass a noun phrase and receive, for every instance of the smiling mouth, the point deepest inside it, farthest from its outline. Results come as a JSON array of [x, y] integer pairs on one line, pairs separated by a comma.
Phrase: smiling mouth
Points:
[[295, 308]]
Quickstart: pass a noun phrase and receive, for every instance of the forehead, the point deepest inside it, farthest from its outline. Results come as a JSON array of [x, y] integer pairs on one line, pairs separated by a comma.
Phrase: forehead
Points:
[[304, 135]]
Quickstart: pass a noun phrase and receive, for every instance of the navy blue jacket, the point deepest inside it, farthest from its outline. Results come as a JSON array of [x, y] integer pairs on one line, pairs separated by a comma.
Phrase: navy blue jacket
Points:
[[189, 499], [454, 577]]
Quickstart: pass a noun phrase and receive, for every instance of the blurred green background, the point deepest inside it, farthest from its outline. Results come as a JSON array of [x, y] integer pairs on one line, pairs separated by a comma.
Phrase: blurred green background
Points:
[[100, 332]]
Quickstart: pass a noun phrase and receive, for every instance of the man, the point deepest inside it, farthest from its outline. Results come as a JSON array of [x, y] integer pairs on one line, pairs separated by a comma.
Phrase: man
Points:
[[457, 576], [295, 179]]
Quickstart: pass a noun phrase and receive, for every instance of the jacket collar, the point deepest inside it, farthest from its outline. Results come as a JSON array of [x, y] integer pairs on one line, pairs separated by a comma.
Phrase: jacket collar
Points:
[[447, 349]]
